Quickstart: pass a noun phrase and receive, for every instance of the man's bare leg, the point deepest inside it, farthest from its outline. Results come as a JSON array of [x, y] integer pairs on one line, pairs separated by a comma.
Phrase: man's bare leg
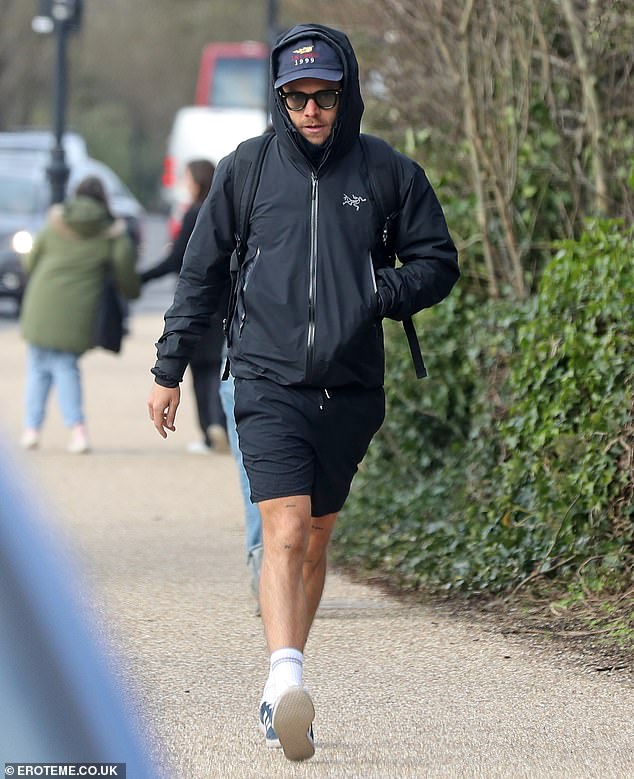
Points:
[[285, 534], [316, 564], [293, 569], [291, 585]]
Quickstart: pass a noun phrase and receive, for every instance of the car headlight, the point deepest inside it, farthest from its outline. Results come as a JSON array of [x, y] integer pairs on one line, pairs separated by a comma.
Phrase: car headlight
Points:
[[22, 242]]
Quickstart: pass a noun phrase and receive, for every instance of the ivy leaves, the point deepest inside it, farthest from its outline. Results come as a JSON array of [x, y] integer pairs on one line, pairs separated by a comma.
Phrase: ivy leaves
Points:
[[514, 458]]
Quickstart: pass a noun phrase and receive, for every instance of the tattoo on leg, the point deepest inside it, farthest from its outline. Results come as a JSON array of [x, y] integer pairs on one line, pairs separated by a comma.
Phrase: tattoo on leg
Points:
[[317, 527]]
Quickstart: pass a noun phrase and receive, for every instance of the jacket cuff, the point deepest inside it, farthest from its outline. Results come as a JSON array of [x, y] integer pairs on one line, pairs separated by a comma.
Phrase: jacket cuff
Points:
[[164, 379]]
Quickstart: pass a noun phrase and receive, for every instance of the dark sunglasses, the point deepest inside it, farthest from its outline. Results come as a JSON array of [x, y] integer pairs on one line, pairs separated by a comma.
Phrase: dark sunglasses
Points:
[[325, 99]]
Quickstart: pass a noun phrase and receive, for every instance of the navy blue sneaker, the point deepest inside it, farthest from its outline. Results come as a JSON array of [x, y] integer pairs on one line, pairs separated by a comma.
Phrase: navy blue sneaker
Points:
[[266, 725], [291, 723]]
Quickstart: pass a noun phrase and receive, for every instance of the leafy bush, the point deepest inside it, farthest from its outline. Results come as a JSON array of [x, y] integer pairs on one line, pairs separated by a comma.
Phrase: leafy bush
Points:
[[435, 449], [513, 456], [566, 474]]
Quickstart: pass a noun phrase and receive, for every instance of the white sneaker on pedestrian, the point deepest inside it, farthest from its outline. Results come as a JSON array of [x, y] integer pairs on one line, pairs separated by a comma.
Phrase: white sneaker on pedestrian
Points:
[[266, 726], [198, 447], [78, 443], [30, 438]]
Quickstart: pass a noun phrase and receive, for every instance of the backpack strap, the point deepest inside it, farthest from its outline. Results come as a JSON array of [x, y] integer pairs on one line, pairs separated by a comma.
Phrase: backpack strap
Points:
[[414, 348], [248, 161], [247, 171], [383, 182]]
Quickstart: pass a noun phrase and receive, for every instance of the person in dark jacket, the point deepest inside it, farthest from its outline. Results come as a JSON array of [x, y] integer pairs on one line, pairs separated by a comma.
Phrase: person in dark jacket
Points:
[[205, 362], [306, 340], [79, 245]]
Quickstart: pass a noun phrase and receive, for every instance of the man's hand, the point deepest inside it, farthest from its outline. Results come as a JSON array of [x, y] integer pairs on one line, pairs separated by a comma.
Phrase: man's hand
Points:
[[162, 404]]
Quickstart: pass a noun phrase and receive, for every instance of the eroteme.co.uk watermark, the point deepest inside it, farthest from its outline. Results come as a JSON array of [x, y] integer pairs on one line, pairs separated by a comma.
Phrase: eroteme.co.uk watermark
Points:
[[66, 769]]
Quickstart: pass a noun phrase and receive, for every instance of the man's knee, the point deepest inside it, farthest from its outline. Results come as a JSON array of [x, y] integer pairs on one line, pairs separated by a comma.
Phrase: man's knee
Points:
[[286, 525]]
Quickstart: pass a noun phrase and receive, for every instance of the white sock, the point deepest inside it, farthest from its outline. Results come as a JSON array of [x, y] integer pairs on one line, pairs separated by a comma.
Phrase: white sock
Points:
[[286, 670]]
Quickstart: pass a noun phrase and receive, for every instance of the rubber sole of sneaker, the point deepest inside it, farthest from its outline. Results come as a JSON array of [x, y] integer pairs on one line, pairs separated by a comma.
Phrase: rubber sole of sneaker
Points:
[[292, 715]]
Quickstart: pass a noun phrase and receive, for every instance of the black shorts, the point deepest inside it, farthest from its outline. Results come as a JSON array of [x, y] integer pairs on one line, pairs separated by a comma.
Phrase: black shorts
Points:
[[305, 441]]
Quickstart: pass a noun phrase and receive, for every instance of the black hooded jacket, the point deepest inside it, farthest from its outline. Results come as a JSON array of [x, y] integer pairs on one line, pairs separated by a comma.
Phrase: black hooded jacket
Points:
[[310, 297]]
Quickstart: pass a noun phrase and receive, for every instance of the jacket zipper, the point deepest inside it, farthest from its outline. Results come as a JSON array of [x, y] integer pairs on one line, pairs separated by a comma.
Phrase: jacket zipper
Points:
[[372, 273], [312, 275]]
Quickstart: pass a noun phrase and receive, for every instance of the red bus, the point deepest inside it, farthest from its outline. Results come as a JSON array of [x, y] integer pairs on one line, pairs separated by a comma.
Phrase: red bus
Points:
[[233, 75]]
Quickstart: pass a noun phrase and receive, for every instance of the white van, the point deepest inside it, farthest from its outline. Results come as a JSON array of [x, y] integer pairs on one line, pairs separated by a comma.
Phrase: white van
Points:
[[202, 132]]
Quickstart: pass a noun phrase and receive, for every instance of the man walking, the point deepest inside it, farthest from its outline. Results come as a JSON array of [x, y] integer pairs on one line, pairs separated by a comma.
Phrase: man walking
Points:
[[306, 340]]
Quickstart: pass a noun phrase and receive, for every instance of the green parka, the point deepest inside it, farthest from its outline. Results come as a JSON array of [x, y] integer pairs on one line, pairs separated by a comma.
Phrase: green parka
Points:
[[67, 268]]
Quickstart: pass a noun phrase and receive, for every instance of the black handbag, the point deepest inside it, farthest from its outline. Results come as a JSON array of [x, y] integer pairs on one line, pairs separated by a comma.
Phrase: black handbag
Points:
[[108, 332]]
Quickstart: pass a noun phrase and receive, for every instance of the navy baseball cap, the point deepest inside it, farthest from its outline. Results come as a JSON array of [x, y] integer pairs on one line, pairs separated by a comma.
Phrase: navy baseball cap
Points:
[[308, 58]]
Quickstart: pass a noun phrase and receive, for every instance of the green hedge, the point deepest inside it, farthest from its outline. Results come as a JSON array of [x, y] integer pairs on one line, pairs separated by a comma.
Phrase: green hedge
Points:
[[513, 457]]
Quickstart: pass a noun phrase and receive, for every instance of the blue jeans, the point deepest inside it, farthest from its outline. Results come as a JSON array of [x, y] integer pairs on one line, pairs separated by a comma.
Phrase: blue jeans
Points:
[[46, 367], [253, 523]]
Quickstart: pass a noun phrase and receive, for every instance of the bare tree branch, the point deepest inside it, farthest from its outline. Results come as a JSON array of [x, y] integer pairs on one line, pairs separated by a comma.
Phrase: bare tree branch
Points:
[[592, 110]]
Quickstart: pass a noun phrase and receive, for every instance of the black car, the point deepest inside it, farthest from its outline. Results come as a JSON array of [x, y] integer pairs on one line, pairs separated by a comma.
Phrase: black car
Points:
[[23, 204]]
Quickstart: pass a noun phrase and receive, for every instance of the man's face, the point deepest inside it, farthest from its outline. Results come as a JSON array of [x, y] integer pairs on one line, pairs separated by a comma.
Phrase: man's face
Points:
[[312, 122]]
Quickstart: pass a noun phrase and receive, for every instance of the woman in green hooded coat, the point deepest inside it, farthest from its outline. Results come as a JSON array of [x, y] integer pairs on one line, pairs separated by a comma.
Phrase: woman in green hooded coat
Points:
[[81, 243]]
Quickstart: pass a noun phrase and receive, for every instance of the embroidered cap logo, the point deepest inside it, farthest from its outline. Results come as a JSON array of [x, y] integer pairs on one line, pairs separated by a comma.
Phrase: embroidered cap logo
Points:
[[305, 55]]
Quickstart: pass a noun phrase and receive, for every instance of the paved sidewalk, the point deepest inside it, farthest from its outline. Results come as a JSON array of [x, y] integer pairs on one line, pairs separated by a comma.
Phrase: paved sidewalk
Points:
[[400, 691]]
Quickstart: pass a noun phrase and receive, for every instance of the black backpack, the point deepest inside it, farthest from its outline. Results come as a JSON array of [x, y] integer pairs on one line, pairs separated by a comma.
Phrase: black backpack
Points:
[[247, 170]]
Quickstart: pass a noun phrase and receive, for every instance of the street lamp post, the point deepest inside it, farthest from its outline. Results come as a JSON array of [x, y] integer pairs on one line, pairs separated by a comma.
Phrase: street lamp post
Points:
[[58, 169], [272, 31], [61, 17]]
